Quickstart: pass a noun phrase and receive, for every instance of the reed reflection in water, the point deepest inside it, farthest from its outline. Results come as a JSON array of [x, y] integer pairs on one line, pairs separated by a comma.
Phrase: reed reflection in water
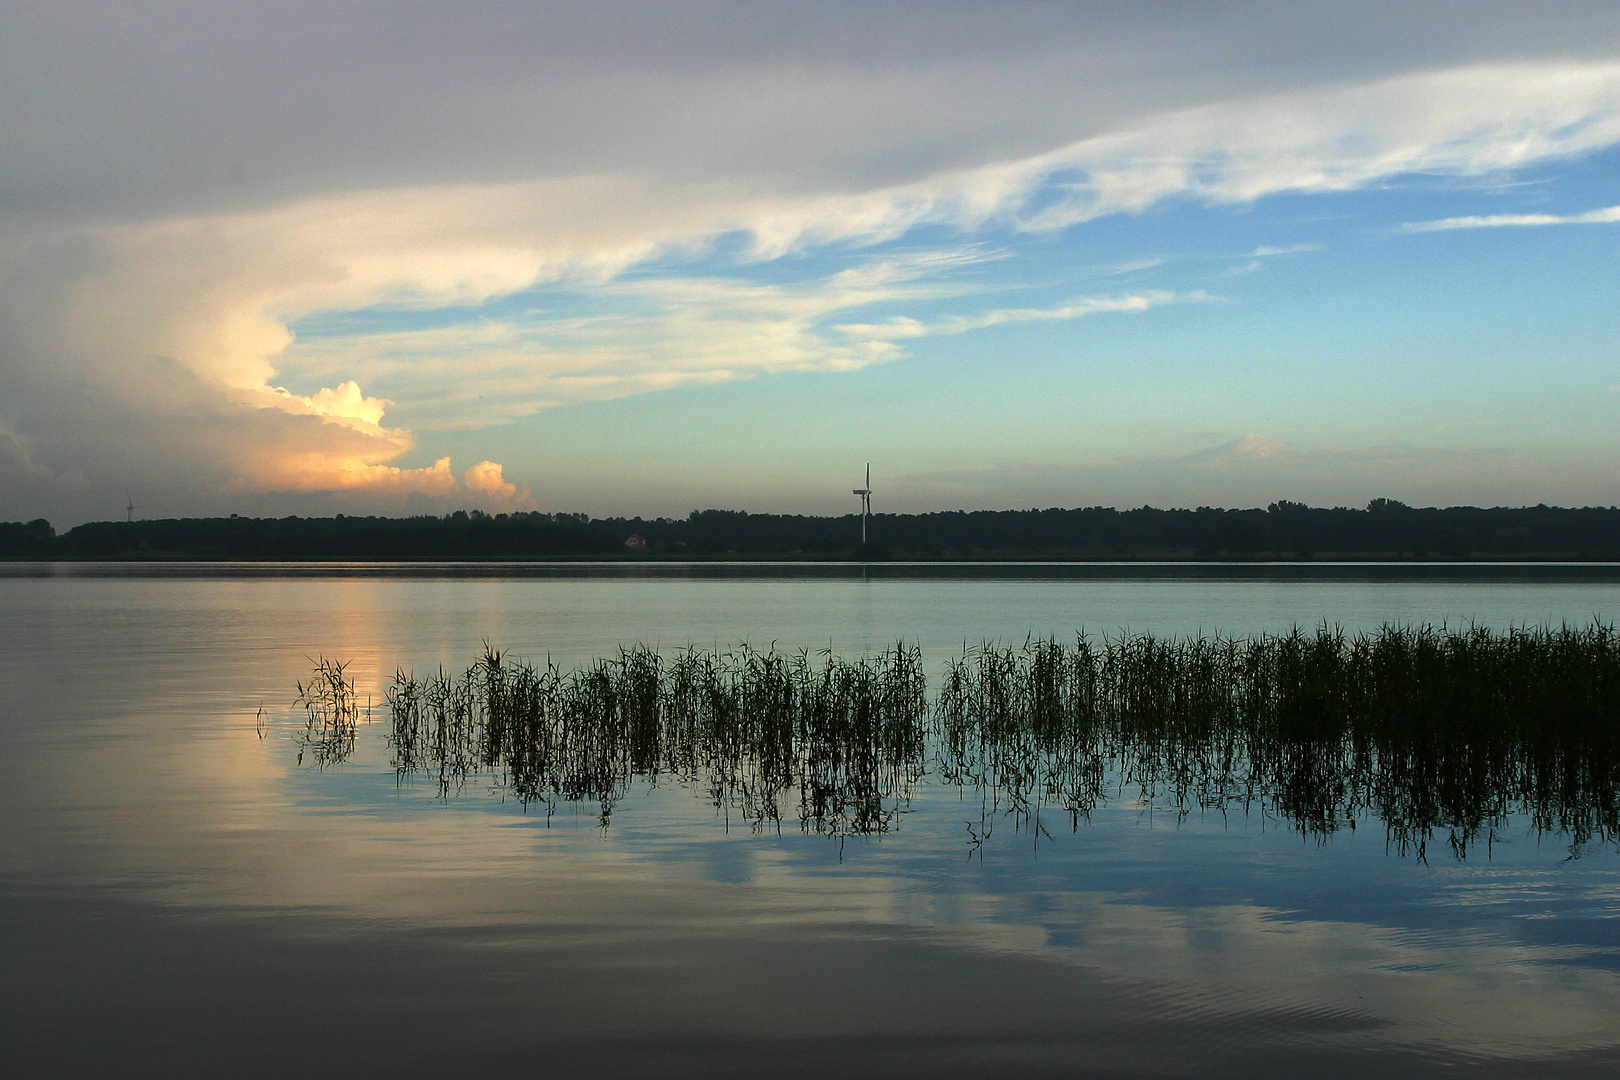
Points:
[[1432, 732]]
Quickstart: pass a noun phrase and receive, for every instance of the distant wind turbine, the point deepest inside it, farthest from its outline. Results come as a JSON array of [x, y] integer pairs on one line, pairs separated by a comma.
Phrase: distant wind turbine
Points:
[[866, 500], [129, 510]]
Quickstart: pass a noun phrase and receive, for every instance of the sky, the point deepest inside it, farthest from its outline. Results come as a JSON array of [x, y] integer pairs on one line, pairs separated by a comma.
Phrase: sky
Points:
[[639, 259]]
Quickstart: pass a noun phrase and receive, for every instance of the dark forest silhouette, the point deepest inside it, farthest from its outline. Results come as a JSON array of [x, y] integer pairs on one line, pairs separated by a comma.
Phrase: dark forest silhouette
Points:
[[1384, 529]]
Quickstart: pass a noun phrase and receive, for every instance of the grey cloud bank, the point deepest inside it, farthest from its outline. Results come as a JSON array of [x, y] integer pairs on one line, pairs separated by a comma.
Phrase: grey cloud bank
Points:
[[127, 111]]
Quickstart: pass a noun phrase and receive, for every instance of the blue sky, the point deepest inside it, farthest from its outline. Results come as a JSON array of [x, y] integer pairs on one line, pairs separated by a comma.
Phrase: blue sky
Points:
[[1072, 256]]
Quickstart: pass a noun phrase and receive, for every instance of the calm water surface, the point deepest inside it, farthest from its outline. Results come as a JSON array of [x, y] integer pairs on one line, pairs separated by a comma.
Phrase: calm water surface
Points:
[[183, 897]]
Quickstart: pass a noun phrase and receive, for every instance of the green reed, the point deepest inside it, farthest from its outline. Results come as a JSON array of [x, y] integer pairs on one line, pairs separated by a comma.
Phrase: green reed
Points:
[[1427, 729], [331, 713]]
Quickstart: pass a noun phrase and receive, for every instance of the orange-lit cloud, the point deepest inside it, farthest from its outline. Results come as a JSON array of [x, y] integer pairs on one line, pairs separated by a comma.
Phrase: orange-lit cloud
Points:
[[333, 441], [343, 404], [486, 477]]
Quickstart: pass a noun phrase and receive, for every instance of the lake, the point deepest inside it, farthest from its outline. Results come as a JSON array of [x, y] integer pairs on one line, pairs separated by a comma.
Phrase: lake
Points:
[[190, 891]]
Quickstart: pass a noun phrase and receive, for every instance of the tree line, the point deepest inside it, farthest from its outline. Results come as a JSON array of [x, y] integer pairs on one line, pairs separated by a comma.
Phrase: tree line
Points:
[[1384, 528]]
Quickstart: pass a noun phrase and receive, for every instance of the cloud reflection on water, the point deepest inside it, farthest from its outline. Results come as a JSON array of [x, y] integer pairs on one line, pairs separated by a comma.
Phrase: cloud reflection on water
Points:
[[172, 880]]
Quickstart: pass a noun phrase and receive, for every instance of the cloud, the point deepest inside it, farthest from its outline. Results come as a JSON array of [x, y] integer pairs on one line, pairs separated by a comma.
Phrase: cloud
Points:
[[1607, 215], [657, 334], [1246, 448], [678, 332], [248, 105], [1265, 251], [319, 470], [1131, 266], [23, 482], [291, 167], [144, 356], [1254, 260], [486, 477], [344, 404], [1463, 122], [903, 327]]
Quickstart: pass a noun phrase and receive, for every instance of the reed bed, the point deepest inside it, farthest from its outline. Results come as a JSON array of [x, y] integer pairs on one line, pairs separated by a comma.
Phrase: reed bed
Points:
[[845, 738], [1431, 731], [1426, 729]]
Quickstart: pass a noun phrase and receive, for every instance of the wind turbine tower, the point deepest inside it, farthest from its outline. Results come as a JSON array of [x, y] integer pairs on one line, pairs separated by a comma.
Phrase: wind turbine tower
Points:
[[129, 510], [866, 500]]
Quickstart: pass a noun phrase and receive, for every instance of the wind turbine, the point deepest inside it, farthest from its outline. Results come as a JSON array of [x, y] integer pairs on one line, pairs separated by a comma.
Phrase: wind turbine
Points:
[[866, 500], [129, 510]]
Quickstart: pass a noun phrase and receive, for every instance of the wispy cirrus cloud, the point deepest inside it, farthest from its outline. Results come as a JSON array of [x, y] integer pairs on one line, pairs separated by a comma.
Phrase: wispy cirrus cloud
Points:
[[903, 327], [665, 332], [1606, 216], [1267, 251]]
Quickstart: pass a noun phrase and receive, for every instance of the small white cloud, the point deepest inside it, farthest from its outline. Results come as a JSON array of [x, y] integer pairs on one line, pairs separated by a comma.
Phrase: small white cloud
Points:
[[1253, 261], [1265, 251], [1134, 265], [1255, 447], [1606, 216], [1246, 448]]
